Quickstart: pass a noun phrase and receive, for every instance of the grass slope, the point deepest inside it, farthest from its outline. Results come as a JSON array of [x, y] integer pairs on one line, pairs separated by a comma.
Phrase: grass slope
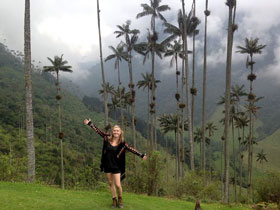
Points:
[[271, 147], [33, 196]]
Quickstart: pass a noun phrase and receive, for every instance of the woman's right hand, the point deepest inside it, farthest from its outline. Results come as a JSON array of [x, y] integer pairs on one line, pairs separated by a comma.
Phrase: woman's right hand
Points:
[[86, 121]]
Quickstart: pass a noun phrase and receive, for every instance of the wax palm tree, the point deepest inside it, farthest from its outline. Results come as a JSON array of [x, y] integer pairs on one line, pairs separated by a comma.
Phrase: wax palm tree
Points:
[[114, 104], [231, 27], [175, 50], [58, 65], [28, 96], [119, 94], [186, 66], [251, 47], [241, 122], [118, 55], [261, 157], [147, 83], [152, 47], [198, 139], [131, 37], [106, 121], [109, 89], [237, 92], [155, 10], [175, 32], [232, 117], [169, 123], [211, 128], [206, 13]]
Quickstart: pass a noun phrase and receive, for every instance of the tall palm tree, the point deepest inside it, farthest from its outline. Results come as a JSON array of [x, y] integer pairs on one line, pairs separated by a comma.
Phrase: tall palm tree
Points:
[[28, 95], [155, 10], [105, 95], [241, 123], [58, 65], [211, 128], [237, 92], [251, 47], [175, 50], [147, 83], [231, 27], [146, 48], [206, 13], [118, 54], [131, 37], [186, 65], [198, 139], [177, 31], [169, 123]]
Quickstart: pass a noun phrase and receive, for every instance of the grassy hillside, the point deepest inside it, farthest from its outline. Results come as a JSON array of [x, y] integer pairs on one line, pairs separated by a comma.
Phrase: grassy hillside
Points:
[[82, 147], [271, 147], [33, 196]]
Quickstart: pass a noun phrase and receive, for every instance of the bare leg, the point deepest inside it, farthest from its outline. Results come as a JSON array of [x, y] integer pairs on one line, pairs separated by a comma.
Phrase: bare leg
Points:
[[111, 184], [117, 181]]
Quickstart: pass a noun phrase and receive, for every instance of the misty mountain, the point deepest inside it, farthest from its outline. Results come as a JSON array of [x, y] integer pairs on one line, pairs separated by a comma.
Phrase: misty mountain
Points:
[[165, 93]]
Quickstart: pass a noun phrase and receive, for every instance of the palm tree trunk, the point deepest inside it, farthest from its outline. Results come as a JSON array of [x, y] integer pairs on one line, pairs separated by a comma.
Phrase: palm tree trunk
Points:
[[188, 89], [166, 156], [132, 92], [178, 120], [250, 146], [177, 167], [222, 176], [241, 163], [121, 97], [106, 121], [234, 161], [152, 100], [148, 121], [204, 92], [182, 116], [227, 104], [28, 95], [60, 129], [193, 70]]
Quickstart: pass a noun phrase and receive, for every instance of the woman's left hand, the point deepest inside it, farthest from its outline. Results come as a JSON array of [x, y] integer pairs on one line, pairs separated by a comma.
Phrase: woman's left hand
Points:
[[144, 157]]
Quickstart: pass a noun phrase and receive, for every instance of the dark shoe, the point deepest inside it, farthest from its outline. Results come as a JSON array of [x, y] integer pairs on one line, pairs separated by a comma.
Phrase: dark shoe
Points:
[[114, 205], [120, 203]]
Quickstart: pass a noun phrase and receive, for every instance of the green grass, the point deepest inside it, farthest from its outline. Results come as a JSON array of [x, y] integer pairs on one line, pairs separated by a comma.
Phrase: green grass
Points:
[[34, 196]]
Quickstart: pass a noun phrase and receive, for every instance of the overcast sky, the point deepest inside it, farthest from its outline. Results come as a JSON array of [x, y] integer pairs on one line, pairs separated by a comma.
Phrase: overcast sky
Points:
[[69, 27]]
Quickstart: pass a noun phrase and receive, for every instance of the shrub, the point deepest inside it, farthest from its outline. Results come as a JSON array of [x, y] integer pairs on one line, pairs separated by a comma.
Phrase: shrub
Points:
[[268, 188]]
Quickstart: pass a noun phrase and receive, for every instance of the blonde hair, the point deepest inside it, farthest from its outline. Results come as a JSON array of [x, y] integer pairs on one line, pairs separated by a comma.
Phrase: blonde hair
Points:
[[121, 137]]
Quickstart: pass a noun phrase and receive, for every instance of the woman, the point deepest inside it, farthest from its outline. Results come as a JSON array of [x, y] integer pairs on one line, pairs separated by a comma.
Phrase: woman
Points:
[[113, 159]]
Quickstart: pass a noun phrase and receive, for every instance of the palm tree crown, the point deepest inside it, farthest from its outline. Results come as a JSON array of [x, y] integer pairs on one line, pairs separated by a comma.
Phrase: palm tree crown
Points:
[[155, 10], [251, 47], [58, 64]]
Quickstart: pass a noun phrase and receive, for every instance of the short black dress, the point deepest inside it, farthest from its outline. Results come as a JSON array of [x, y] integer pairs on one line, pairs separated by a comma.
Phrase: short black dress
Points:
[[110, 159]]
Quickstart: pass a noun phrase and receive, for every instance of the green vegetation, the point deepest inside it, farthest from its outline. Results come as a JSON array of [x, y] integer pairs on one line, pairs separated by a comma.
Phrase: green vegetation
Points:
[[33, 196]]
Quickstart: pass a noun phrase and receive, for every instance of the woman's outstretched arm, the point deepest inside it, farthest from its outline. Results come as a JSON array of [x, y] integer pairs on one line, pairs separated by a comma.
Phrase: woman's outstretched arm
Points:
[[134, 151], [96, 129]]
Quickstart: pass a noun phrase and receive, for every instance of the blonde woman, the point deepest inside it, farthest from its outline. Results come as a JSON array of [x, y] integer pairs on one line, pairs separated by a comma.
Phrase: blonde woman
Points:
[[113, 159]]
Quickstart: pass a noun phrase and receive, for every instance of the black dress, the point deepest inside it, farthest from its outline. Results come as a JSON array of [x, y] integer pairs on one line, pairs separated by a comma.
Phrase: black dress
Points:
[[111, 162], [113, 158]]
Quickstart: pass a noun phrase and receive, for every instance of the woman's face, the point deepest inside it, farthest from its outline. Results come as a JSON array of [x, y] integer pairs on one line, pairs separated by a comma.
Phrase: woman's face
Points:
[[116, 132]]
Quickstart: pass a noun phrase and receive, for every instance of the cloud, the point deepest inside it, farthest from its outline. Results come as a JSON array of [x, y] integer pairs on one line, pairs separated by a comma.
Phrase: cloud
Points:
[[69, 27], [273, 70]]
